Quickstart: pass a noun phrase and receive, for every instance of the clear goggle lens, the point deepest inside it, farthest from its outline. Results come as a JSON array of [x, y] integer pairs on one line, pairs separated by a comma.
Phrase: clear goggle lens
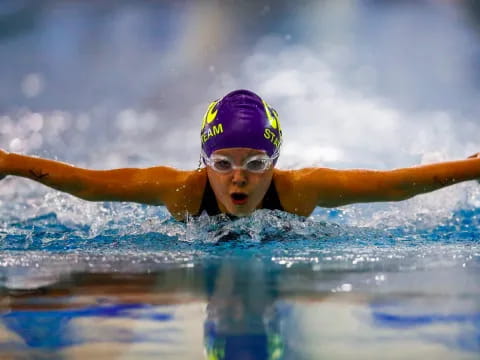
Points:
[[255, 164]]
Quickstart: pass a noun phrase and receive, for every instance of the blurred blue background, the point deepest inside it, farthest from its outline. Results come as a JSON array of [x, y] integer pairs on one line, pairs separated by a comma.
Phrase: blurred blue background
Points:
[[357, 83], [368, 83]]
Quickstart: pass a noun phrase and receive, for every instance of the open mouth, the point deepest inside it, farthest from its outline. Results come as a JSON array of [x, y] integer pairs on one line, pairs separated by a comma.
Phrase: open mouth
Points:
[[239, 198]]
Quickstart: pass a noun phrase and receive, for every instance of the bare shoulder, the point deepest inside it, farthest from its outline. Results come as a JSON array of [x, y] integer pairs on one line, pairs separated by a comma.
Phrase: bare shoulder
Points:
[[171, 176], [303, 178], [298, 189], [180, 191], [186, 193]]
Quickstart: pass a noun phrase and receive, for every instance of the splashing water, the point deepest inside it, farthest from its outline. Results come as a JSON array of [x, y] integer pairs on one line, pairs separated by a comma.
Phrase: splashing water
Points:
[[347, 97], [61, 234]]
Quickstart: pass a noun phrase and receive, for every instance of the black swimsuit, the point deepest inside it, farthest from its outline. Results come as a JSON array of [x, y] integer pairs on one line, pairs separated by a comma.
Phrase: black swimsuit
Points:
[[209, 202]]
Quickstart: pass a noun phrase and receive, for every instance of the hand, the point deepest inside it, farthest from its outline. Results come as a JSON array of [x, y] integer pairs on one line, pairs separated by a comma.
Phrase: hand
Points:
[[3, 156]]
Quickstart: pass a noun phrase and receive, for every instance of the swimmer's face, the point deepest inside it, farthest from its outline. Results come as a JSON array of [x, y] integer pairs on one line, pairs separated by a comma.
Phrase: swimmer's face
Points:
[[239, 192]]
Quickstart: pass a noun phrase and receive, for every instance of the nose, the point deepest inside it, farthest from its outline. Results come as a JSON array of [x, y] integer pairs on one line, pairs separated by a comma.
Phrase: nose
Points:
[[239, 177]]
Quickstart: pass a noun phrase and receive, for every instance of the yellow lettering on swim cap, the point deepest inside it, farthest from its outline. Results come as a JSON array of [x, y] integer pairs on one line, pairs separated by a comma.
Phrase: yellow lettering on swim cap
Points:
[[269, 135], [272, 116], [210, 115], [275, 115], [213, 131], [266, 134], [217, 129]]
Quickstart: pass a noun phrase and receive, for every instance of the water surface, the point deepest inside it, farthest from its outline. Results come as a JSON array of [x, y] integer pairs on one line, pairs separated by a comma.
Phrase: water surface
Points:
[[271, 286]]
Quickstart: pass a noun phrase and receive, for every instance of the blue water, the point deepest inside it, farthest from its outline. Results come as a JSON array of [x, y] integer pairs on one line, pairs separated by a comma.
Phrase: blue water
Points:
[[269, 286], [106, 84]]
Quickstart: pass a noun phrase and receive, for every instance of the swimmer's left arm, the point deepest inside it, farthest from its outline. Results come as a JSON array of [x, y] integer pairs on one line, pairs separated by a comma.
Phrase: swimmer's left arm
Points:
[[331, 188]]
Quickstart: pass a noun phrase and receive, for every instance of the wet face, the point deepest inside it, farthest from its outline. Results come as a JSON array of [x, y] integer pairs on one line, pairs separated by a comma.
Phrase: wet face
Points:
[[239, 192]]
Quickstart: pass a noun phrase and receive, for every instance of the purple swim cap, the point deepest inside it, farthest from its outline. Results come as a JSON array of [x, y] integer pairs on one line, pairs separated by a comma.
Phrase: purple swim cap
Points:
[[241, 119]]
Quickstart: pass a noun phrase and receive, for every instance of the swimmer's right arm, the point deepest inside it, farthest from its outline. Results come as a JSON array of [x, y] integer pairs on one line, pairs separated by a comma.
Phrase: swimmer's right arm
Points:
[[155, 186]]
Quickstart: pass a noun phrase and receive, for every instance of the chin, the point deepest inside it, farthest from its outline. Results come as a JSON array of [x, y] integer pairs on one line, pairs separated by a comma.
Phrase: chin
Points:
[[241, 212]]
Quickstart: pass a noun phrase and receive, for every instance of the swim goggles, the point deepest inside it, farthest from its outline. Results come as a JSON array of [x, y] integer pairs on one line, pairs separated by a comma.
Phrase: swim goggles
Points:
[[254, 164]]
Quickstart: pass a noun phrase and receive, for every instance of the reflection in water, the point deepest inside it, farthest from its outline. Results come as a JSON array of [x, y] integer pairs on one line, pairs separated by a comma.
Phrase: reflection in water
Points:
[[232, 309], [108, 315], [240, 302], [105, 84]]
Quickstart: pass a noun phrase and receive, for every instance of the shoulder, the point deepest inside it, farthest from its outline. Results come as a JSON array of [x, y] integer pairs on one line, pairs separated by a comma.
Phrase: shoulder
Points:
[[181, 191], [292, 193], [300, 191], [186, 195], [301, 178]]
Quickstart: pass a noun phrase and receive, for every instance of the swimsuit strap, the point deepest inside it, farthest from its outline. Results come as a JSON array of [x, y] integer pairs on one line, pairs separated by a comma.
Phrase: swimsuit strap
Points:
[[209, 201], [209, 204], [271, 200]]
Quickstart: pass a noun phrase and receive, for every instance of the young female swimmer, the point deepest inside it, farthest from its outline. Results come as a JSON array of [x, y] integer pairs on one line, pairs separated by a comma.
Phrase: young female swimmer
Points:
[[241, 138]]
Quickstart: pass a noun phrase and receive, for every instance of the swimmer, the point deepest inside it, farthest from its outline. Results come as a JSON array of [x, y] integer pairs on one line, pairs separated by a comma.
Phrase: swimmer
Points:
[[240, 139]]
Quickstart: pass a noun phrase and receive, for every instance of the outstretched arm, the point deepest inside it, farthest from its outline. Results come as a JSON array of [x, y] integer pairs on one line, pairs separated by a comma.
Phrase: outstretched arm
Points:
[[353, 186], [156, 185], [330, 188]]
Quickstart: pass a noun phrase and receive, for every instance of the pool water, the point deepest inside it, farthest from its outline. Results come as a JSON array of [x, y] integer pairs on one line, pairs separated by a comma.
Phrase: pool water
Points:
[[105, 84], [133, 284]]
